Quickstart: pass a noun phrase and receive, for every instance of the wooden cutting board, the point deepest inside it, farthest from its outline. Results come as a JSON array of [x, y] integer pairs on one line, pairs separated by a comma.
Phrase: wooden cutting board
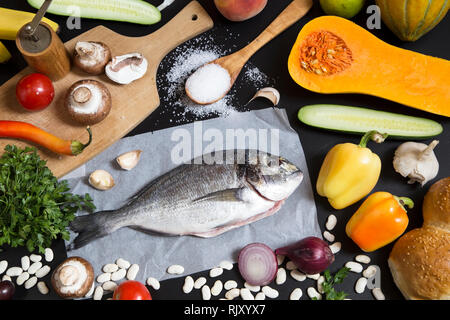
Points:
[[131, 103]]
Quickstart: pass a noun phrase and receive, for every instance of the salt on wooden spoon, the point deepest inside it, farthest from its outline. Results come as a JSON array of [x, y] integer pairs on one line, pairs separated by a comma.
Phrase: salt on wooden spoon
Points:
[[212, 81]]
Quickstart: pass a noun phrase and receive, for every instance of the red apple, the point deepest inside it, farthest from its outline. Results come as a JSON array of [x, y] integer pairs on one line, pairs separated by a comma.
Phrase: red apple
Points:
[[240, 10]]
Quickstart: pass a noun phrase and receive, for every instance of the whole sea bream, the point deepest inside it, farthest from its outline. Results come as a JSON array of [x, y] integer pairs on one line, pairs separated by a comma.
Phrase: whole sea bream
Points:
[[206, 197]]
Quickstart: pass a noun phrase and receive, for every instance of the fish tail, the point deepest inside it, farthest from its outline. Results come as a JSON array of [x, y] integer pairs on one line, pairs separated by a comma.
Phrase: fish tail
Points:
[[90, 227]]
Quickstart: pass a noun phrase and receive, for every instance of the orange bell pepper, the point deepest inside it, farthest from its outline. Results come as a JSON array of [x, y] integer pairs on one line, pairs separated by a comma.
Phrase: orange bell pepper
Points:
[[379, 220]]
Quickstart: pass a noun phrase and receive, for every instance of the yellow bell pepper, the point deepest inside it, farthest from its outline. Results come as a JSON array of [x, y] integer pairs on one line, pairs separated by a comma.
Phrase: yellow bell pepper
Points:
[[380, 220], [4, 54], [349, 172]]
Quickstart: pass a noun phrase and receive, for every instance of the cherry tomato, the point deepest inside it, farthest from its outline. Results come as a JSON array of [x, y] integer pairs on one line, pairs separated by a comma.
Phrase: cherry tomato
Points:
[[35, 91], [131, 290]]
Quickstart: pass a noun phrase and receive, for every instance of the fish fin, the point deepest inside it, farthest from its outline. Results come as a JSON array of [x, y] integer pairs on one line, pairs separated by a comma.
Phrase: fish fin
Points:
[[89, 227], [223, 195]]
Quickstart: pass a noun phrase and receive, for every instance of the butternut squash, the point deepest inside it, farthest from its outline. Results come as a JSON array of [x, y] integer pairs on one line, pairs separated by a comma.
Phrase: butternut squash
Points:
[[334, 55], [411, 19]]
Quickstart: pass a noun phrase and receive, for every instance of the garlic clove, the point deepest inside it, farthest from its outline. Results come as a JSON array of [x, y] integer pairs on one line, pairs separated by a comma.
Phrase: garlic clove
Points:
[[269, 93], [129, 160], [101, 180]]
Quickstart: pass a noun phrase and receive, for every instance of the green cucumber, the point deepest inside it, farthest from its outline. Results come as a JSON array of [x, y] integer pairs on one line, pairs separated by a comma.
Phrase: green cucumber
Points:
[[361, 120], [135, 11]]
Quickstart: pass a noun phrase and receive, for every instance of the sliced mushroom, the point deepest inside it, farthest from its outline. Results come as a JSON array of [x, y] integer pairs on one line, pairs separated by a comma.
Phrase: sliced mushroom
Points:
[[127, 68], [73, 278], [91, 56], [88, 101]]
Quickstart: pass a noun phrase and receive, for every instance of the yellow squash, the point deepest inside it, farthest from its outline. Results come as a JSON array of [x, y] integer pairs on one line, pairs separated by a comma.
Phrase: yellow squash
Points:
[[349, 172], [12, 20]]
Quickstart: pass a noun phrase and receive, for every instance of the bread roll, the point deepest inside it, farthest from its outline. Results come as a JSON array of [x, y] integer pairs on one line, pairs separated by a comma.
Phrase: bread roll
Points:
[[420, 259]]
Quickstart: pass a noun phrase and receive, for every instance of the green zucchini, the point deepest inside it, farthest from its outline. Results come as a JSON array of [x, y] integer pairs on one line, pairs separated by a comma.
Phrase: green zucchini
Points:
[[135, 11], [361, 120]]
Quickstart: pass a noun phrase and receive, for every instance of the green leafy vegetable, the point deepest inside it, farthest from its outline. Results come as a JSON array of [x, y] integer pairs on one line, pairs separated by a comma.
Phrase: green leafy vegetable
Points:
[[35, 207], [330, 281]]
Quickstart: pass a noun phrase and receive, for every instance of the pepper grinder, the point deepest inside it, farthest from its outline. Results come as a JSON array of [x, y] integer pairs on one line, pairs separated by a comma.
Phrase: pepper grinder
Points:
[[41, 47]]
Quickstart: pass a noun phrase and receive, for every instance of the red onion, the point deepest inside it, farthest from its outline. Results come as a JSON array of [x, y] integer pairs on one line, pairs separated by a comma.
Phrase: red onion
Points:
[[311, 255], [257, 264]]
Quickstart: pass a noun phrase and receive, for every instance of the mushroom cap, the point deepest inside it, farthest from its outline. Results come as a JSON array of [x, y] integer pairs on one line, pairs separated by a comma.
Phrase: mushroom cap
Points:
[[91, 66], [81, 289], [101, 94]]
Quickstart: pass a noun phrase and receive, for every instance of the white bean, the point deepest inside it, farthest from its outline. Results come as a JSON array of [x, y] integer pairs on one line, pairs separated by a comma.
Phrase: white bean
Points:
[[109, 286], [230, 284], [42, 272], [35, 257], [206, 293], [329, 236], [25, 263], [215, 272], [281, 276], [362, 258], [110, 267], [320, 281], [154, 283], [199, 282], [370, 271], [104, 277], [314, 276], [354, 266], [175, 269], [6, 278], [260, 296], [14, 271], [188, 284], [360, 285], [42, 287], [118, 275], [91, 290], [30, 283], [98, 293], [296, 294], [246, 294], [270, 292], [290, 265], [232, 293], [227, 265], [336, 247], [3, 266], [252, 287], [297, 275], [122, 263], [378, 294], [280, 259], [217, 288], [48, 254], [24, 276], [331, 222], [312, 293], [132, 272], [34, 267]]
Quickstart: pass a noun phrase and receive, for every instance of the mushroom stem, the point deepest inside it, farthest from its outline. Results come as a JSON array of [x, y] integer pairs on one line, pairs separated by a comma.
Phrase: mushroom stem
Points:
[[82, 95], [427, 152], [68, 275]]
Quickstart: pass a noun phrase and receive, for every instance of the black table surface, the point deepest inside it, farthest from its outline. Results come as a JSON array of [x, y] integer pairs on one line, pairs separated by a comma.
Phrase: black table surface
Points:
[[272, 60]]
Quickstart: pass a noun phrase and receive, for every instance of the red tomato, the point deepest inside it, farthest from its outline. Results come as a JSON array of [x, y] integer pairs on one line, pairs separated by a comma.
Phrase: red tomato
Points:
[[131, 290], [35, 91]]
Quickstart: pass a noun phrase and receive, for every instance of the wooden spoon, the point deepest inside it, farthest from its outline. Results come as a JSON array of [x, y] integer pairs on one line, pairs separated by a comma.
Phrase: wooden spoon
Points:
[[234, 62]]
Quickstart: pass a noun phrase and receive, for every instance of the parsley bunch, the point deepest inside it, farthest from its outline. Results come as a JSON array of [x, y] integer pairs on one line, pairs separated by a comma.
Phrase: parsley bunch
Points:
[[330, 281], [35, 207]]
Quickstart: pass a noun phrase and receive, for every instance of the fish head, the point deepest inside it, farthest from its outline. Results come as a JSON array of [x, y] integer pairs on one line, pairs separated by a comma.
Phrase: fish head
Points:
[[273, 177]]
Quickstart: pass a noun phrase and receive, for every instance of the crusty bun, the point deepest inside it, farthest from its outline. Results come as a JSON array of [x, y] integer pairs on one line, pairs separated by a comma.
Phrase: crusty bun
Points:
[[420, 259]]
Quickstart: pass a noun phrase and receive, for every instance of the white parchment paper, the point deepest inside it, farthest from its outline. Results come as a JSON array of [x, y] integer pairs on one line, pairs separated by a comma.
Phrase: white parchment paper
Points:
[[154, 253]]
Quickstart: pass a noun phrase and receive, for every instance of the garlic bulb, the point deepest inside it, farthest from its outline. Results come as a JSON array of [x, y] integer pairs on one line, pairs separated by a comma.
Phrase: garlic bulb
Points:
[[416, 161]]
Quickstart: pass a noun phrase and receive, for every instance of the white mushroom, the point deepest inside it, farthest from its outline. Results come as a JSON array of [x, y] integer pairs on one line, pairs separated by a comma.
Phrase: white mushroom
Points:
[[416, 161], [91, 56], [127, 68], [73, 278], [271, 94], [129, 160], [101, 180], [88, 101]]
